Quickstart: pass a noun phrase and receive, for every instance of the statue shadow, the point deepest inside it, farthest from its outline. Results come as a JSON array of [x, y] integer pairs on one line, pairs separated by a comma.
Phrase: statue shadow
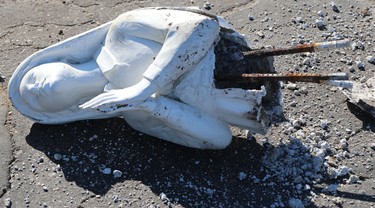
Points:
[[233, 177]]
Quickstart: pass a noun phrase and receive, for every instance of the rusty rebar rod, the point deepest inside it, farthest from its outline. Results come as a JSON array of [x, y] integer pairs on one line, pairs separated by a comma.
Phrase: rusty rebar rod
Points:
[[292, 77], [297, 49]]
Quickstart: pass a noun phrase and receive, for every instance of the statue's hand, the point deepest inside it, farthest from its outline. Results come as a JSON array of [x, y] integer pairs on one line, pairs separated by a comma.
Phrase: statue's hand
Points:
[[113, 101], [119, 100]]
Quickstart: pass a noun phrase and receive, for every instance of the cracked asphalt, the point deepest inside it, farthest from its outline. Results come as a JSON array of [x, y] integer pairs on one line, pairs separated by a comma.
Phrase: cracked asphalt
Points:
[[65, 165]]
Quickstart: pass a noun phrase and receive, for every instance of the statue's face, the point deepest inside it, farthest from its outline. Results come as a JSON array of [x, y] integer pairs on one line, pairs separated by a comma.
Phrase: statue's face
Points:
[[50, 87]]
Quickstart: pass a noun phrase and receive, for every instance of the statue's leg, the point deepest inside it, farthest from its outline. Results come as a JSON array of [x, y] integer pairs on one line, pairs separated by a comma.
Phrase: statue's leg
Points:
[[181, 124]]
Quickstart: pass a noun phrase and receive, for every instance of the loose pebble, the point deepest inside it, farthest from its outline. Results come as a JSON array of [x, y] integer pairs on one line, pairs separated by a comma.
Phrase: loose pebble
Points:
[[320, 23], [260, 34], [207, 6], [334, 7], [370, 59], [106, 171], [8, 202], [2, 77], [117, 174], [242, 176], [164, 197], [321, 13], [332, 188], [372, 146], [292, 86], [295, 203], [360, 65], [352, 179], [57, 156]]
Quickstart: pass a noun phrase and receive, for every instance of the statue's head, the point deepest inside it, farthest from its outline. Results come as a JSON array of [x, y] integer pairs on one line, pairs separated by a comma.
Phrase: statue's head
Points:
[[57, 86]]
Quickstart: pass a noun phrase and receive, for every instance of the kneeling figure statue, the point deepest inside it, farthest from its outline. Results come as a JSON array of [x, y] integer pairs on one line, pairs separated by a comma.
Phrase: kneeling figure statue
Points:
[[154, 67]]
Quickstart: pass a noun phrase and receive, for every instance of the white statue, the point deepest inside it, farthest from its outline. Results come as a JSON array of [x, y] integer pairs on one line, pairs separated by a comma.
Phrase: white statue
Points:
[[154, 67]]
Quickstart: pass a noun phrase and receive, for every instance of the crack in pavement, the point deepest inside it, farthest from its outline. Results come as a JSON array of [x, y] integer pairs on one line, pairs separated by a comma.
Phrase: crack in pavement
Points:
[[32, 24], [84, 6], [28, 45], [5, 34], [6, 105], [236, 7]]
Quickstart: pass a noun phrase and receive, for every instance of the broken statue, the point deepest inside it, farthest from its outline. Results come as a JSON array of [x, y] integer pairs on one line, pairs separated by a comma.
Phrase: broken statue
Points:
[[156, 68]]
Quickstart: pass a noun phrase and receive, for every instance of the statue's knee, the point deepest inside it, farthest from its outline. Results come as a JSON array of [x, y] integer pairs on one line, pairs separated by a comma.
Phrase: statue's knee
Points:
[[219, 140]]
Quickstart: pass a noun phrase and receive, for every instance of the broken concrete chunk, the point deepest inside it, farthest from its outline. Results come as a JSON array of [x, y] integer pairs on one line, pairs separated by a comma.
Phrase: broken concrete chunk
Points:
[[363, 95]]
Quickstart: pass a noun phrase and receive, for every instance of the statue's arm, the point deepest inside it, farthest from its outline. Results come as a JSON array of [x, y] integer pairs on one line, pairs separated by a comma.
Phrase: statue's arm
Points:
[[186, 38]]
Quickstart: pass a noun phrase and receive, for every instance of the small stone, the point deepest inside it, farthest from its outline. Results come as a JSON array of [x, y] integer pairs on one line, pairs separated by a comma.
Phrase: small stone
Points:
[[320, 24], [251, 18], [303, 90], [164, 197], [265, 141], [106, 171], [260, 34], [324, 124], [297, 180], [337, 36], [343, 170], [40, 160], [299, 20], [2, 77], [93, 137], [8, 202], [242, 176], [115, 198], [332, 188], [297, 93], [321, 13], [295, 203], [343, 144], [370, 59], [207, 6], [360, 65], [57, 156], [358, 45], [344, 60], [351, 69], [324, 145], [293, 104], [331, 29], [372, 146], [307, 61], [117, 173], [265, 19], [334, 7], [352, 179], [291, 86]]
